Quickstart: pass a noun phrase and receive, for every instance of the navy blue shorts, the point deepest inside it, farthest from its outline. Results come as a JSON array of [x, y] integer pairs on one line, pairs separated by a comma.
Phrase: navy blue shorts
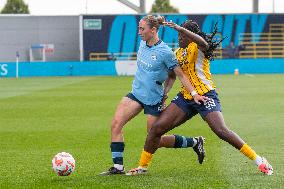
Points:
[[191, 108], [154, 110]]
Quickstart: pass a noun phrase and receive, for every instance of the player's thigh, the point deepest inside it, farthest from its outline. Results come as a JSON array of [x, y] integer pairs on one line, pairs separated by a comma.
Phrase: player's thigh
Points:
[[125, 111], [170, 118]]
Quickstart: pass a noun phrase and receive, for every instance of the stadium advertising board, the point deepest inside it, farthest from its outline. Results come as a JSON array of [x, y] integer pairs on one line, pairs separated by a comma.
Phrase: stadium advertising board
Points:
[[119, 33]]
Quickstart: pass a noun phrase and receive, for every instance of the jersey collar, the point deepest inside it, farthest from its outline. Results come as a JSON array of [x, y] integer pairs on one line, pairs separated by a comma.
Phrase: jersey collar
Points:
[[160, 41]]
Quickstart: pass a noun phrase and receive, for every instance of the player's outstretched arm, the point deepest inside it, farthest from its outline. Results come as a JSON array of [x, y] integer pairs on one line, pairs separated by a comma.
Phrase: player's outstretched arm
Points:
[[202, 44]]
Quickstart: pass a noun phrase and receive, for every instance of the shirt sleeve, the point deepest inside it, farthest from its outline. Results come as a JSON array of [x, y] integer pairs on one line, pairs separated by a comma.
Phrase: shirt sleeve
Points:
[[170, 60]]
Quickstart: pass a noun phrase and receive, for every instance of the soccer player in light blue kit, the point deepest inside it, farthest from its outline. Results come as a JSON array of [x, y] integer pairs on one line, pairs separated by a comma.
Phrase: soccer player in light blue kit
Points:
[[157, 65]]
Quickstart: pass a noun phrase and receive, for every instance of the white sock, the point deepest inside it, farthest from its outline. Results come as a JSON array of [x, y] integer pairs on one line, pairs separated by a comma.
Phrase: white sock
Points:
[[194, 142], [258, 160], [144, 168], [119, 167]]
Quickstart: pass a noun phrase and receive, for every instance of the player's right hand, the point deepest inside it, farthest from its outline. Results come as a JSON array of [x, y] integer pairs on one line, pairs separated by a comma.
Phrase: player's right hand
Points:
[[164, 101], [199, 99]]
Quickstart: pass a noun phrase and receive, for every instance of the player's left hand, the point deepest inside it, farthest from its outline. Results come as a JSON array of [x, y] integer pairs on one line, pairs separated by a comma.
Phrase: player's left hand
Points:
[[171, 24]]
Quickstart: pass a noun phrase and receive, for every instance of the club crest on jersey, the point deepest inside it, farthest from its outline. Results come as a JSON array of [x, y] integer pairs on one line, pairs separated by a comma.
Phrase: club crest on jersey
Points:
[[153, 57], [184, 53]]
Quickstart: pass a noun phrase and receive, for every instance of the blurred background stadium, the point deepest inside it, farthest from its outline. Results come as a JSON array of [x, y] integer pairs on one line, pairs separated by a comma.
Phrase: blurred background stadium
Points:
[[102, 41], [41, 115]]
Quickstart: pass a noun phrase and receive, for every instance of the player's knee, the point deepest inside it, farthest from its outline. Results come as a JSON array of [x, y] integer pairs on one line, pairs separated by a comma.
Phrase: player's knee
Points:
[[223, 133], [157, 130]]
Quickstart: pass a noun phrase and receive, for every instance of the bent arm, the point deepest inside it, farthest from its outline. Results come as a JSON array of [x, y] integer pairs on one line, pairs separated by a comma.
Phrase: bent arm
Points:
[[186, 83], [183, 79], [201, 43], [169, 82]]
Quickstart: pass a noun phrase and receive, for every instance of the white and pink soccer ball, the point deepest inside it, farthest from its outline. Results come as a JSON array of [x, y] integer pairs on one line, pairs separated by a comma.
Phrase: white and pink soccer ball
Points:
[[63, 164]]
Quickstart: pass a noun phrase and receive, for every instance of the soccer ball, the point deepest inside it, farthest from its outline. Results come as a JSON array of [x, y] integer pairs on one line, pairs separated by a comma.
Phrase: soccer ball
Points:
[[63, 164]]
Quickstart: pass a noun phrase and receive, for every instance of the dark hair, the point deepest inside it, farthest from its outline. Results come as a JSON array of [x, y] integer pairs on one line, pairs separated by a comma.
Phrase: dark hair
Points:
[[154, 21], [212, 43]]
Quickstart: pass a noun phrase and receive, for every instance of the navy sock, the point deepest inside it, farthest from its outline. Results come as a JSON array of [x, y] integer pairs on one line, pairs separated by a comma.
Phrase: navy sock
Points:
[[183, 142], [117, 149]]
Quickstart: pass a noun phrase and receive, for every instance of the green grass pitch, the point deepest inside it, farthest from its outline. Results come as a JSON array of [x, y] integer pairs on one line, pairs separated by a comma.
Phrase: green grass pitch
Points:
[[40, 117]]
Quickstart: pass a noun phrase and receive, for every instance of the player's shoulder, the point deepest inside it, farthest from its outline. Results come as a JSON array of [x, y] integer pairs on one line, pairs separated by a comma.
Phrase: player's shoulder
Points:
[[164, 48], [192, 45], [191, 48]]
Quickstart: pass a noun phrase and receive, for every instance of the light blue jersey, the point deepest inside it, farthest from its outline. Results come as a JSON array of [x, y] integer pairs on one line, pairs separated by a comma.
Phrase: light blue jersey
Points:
[[153, 65]]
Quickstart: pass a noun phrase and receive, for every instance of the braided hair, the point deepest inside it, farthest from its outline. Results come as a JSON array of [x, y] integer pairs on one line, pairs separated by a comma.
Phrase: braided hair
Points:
[[209, 38]]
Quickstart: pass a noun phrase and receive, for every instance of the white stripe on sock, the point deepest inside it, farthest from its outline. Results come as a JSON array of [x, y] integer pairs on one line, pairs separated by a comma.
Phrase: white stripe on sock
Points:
[[194, 142], [258, 160]]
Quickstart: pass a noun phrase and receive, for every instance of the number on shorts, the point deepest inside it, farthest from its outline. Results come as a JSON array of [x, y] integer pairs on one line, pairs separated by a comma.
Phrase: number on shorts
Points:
[[209, 104]]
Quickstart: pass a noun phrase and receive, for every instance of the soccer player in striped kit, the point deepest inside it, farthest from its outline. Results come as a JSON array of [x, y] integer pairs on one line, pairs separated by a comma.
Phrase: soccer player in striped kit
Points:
[[196, 50], [155, 61]]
